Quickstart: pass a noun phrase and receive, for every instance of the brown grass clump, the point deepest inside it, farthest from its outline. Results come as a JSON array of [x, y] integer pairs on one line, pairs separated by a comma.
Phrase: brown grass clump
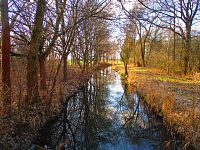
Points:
[[184, 121], [196, 76]]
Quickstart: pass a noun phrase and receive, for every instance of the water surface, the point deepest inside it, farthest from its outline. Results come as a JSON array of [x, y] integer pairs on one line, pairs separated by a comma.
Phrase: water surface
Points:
[[107, 114]]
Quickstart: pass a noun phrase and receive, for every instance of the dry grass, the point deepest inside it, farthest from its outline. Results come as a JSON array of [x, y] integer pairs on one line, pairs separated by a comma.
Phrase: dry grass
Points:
[[175, 98], [18, 130]]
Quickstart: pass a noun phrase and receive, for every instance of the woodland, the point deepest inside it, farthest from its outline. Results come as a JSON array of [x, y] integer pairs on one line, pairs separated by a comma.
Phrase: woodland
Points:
[[50, 48]]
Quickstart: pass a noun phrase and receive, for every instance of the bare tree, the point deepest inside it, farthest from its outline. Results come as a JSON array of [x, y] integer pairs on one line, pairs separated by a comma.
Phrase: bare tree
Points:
[[67, 38], [144, 32], [126, 50], [32, 65], [44, 52]]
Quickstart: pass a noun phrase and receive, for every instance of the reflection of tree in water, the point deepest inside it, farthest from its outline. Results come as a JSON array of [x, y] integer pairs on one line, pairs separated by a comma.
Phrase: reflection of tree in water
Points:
[[95, 125], [84, 122], [140, 122], [93, 119], [95, 122]]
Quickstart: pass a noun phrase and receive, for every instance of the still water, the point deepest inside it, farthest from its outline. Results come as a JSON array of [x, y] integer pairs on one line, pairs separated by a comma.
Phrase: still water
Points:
[[107, 114]]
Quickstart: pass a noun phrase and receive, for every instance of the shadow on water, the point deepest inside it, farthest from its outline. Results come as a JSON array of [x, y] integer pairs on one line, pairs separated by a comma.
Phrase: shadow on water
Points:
[[106, 115]]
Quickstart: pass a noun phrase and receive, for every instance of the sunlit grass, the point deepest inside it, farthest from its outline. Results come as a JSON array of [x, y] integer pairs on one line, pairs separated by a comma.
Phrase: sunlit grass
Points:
[[175, 79], [171, 79], [138, 69]]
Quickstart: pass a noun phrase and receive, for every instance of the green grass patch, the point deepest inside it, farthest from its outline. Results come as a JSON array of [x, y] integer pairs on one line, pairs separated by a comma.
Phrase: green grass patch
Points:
[[120, 63], [69, 62], [138, 69], [172, 79]]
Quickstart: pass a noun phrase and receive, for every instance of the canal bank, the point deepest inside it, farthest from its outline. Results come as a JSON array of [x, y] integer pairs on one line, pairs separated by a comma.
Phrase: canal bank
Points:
[[175, 98], [22, 127]]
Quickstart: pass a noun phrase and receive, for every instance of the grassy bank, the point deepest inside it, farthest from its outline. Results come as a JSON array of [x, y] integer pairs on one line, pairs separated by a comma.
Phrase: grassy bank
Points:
[[175, 98]]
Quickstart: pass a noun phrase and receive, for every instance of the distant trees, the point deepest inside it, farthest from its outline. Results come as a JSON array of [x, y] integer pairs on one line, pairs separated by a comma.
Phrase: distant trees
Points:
[[160, 17], [195, 55], [177, 16], [91, 40]]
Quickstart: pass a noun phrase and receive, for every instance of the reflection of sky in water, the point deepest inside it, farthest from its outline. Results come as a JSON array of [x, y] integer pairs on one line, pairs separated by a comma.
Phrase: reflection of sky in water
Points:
[[118, 106], [109, 118], [122, 144], [116, 92]]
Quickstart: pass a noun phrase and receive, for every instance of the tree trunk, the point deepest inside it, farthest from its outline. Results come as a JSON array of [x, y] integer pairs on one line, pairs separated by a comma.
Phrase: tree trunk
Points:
[[187, 48], [65, 66], [186, 59], [32, 65], [174, 48], [6, 47], [143, 59], [126, 69], [142, 53], [43, 84]]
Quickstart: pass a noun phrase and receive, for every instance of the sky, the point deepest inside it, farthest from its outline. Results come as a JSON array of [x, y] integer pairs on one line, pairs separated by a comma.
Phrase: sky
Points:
[[117, 30]]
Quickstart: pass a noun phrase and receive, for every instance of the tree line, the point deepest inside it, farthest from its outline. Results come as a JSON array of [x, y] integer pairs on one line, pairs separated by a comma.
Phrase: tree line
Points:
[[165, 35], [38, 33]]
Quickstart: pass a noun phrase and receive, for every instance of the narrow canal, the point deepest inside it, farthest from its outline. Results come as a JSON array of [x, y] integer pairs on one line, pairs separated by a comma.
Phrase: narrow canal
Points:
[[107, 114]]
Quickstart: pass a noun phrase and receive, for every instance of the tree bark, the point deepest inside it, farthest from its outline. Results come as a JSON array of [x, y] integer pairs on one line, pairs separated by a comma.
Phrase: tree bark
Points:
[[186, 59], [43, 83], [187, 43], [126, 70], [32, 65], [6, 47], [143, 54], [65, 67]]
